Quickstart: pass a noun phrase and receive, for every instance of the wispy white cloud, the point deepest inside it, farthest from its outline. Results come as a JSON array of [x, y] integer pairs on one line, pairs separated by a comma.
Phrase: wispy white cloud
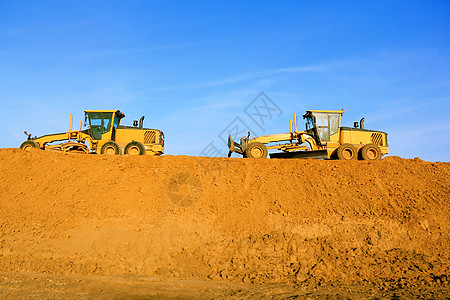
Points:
[[435, 85], [414, 140], [152, 48], [399, 108], [32, 29], [249, 76], [206, 120]]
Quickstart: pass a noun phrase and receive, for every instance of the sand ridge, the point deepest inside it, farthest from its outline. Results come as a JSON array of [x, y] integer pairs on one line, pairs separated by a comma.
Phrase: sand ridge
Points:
[[301, 222]]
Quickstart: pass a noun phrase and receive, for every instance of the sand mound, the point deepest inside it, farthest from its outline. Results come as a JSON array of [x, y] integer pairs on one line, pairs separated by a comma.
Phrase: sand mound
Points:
[[256, 221]]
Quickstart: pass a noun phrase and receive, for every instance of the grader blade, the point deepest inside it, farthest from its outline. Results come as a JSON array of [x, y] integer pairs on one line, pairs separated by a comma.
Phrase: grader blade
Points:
[[234, 147], [300, 154]]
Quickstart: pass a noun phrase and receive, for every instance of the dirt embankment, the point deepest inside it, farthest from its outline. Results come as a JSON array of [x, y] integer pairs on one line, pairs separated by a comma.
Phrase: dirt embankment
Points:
[[255, 221]]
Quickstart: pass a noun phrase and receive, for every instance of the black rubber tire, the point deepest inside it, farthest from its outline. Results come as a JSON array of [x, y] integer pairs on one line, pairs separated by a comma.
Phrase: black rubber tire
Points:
[[111, 148], [131, 148], [370, 152], [256, 150], [29, 144], [346, 152]]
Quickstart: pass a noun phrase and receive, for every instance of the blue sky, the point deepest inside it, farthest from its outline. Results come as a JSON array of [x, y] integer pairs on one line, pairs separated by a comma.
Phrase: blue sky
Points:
[[192, 67]]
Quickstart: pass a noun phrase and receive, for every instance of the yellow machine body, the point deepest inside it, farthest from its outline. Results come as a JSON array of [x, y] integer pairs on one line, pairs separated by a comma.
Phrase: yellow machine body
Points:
[[324, 137], [104, 134]]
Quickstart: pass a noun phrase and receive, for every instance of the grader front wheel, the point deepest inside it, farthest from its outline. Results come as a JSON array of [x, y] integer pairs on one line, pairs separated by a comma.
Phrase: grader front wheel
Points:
[[256, 150], [27, 145]]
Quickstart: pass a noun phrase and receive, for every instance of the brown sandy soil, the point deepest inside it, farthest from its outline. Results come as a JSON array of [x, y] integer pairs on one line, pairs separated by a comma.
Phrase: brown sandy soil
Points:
[[44, 286], [221, 228]]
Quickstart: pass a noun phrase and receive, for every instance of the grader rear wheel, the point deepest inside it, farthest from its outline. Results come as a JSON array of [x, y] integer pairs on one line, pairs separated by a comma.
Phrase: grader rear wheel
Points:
[[111, 148], [346, 152], [135, 148], [370, 152]]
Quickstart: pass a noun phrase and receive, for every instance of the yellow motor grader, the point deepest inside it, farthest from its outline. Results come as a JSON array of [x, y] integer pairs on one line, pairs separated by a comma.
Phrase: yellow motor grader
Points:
[[104, 135], [323, 138]]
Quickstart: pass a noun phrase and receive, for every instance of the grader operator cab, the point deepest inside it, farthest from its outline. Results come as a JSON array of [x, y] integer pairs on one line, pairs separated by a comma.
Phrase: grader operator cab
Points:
[[104, 135], [323, 138]]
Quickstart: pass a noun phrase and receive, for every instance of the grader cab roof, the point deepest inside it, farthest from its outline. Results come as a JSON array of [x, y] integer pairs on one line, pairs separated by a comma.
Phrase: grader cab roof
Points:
[[110, 110], [326, 111], [122, 115], [311, 113]]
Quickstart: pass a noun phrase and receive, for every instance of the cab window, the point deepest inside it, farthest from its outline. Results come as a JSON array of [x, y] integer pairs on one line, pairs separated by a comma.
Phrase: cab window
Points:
[[322, 126], [99, 123], [106, 122], [327, 124], [309, 122], [334, 123], [116, 122]]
